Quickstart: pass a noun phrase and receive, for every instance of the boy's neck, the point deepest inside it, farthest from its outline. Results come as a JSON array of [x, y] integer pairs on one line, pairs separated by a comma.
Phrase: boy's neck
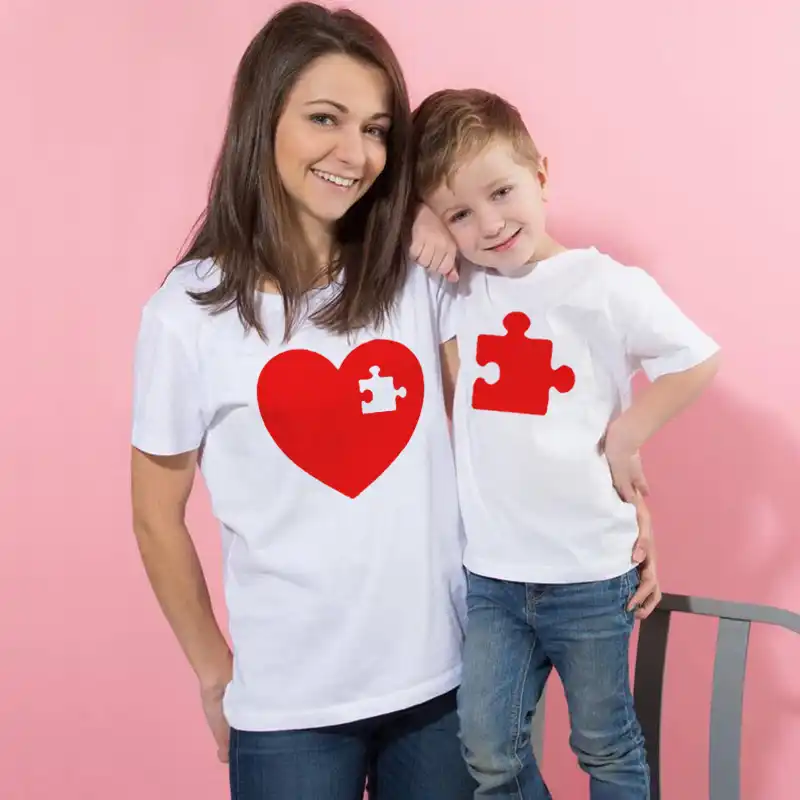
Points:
[[548, 248]]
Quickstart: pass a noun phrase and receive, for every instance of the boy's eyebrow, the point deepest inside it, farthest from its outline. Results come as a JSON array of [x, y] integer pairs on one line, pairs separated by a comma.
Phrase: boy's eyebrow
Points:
[[451, 208], [487, 187], [344, 109], [496, 182]]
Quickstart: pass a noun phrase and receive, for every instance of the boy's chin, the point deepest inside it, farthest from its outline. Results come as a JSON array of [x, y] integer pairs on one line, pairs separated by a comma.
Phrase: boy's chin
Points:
[[512, 270], [511, 266]]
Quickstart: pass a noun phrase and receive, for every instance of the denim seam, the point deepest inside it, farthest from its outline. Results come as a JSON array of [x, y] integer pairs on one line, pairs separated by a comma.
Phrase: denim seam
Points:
[[518, 732], [631, 721]]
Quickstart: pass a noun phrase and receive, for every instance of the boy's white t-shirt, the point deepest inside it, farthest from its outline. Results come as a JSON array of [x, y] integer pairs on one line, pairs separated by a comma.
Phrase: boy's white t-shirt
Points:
[[537, 499], [342, 542]]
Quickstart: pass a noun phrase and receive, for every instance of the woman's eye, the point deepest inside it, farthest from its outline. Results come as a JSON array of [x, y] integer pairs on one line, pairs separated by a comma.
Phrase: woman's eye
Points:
[[378, 132], [322, 119]]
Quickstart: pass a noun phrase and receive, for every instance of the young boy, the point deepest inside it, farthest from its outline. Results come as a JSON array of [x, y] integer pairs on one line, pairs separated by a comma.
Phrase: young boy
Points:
[[546, 440]]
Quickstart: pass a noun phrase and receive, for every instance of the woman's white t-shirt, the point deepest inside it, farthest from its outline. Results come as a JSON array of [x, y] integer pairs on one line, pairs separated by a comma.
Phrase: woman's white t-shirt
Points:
[[330, 469]]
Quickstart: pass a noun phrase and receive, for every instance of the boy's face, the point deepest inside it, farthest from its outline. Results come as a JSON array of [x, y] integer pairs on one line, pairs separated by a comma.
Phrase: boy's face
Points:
[[494, 208]]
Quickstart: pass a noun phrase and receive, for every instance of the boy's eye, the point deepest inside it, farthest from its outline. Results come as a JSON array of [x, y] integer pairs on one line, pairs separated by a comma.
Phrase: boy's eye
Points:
[[458, 216], [501, 192], [322, 119]]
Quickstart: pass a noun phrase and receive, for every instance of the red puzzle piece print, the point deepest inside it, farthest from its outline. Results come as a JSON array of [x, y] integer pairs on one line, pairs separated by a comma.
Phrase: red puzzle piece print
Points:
[[343, 426], [526, 374]]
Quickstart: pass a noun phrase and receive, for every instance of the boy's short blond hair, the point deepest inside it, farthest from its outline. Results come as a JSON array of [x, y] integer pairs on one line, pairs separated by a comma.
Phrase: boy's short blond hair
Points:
[[452, 125]]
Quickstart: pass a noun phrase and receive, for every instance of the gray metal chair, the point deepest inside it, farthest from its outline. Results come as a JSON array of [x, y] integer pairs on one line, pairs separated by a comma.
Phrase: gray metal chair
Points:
[[730, 660]]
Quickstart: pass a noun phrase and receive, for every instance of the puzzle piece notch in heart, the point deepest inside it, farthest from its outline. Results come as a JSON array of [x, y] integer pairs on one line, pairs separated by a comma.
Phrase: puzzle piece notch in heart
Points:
[[383, 395]]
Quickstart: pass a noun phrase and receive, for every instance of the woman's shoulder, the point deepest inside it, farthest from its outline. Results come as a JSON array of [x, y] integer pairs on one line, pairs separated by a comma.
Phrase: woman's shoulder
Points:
[[173, 301], [424, 285], [429, 296], [198, 275]]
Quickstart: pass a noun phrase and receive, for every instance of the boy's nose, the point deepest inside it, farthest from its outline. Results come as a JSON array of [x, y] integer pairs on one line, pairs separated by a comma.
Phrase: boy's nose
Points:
[[492, 227]]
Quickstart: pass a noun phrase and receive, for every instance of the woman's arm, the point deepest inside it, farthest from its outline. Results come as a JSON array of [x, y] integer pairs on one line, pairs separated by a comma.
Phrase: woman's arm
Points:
[[450, 364], [160, 488]]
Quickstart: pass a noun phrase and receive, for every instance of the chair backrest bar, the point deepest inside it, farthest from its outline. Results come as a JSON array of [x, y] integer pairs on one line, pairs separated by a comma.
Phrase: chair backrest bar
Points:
[[730, 663], [727, 695]]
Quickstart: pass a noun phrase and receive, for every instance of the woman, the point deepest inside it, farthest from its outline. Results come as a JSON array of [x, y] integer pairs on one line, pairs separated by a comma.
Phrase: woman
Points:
[[293, 355]]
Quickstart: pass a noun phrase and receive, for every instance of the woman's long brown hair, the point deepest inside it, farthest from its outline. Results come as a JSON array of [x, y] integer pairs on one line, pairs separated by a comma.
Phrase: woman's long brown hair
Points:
[[249, 227]]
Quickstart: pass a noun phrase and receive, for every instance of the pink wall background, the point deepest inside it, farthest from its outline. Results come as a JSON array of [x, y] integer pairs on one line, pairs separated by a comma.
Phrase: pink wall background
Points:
[[672, 136]]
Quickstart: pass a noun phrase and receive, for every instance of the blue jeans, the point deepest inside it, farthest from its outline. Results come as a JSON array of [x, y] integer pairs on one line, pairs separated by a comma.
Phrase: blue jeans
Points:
[[516, 634], [408, 755]]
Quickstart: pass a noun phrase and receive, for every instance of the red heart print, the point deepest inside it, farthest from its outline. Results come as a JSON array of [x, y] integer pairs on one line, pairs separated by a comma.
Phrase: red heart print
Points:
[[330, 424]]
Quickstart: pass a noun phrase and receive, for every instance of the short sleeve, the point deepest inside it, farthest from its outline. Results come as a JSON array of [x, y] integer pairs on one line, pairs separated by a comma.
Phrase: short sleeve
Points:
[[167, 411], [446, 294], [659, 338]]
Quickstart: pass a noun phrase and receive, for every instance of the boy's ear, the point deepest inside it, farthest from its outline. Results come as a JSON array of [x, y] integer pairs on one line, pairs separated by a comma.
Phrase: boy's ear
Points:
[[542, 175]]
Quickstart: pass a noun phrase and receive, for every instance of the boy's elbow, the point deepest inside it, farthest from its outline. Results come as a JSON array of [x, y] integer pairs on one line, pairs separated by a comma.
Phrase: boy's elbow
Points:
[[699, 378], [711, 365]]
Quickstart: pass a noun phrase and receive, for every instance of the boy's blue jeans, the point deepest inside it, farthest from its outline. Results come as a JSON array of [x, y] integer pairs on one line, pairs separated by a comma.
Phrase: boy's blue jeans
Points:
[[516, 634]]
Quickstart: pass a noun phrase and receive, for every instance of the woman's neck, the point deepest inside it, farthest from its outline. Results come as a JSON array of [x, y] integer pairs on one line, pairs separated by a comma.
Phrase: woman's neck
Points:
[[322, 247], [322, 252]]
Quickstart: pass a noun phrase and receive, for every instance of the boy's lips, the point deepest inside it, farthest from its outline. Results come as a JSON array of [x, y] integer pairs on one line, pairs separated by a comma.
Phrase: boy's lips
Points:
[[506, 244]]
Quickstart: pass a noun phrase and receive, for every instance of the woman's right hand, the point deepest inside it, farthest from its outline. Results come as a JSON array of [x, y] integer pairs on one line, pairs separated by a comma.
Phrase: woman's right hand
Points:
[[160, 489], [432, 246], [212, 708]]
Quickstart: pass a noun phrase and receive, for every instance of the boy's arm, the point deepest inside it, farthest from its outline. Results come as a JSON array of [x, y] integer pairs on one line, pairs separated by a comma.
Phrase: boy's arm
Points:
[[432, 246], [678, 357], [653, 407], [658, 403]]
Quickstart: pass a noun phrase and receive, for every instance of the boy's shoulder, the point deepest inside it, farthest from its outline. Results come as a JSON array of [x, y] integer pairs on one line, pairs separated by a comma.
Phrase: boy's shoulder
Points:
[[608, 271], [593, 268], [586, 272]]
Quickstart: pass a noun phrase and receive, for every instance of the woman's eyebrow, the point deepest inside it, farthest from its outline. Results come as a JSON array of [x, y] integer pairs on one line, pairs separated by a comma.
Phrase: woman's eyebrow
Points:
[[344, 109]]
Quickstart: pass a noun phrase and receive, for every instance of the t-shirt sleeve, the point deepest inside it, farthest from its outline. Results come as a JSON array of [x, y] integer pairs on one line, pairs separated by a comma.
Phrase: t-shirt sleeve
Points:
[[445, 294], [167, 411], [659, 338]]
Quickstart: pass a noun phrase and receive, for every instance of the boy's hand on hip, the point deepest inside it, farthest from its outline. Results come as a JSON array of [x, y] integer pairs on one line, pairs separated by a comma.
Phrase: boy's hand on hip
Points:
[[432, 246], [648, 594], [625, 465]]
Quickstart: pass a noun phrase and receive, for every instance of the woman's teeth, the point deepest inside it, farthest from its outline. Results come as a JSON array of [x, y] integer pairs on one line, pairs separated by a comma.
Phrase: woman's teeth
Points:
[[345, 183]]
